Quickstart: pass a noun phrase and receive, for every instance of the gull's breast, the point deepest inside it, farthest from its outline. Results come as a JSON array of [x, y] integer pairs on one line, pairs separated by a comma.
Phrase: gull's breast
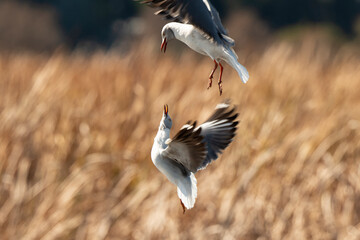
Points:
[[197, 41]]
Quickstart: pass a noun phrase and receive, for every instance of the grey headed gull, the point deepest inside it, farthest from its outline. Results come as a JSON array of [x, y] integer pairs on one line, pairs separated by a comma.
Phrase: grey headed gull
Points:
[[192, 149], [198, 25]]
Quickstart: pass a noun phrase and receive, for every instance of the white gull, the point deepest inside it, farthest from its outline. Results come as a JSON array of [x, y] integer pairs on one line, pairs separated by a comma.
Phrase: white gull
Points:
[[192, 149], [198, 25]]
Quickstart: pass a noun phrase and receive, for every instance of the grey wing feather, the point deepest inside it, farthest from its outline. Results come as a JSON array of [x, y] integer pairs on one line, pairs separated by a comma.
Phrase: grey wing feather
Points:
[[187, 148], [215, 15], [218, 132], [178, 165], [200, 13]]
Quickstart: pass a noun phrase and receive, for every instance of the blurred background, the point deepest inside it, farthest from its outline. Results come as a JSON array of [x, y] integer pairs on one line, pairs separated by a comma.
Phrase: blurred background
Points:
[[82, 85], [45, 25]]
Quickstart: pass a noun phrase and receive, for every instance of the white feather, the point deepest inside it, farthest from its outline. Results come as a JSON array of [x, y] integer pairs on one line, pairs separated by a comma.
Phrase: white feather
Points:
[[222, 105], [187, 190], [232, 61]]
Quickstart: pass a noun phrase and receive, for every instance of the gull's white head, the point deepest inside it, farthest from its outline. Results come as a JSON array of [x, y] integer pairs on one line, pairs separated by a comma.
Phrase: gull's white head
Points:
[[166, 35], [166, 121]]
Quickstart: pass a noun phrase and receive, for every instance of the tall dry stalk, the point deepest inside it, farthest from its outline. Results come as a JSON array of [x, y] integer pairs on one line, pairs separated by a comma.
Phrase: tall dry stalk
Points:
[[76, 134]]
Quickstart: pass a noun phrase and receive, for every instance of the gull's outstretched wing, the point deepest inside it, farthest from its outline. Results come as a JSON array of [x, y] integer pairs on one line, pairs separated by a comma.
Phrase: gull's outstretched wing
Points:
[[218, 132], [187, 148], [200, 13], [195, 147]]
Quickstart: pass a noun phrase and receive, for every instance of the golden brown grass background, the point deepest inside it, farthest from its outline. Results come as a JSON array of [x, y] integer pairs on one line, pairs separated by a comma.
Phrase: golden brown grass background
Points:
[[76, 133]]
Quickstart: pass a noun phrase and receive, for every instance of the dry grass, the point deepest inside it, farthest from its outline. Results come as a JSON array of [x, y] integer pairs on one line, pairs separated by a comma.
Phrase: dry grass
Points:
[[76, 133]]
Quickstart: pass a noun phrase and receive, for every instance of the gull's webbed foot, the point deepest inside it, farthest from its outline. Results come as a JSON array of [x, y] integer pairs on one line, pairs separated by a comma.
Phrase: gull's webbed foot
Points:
[[183, 207], [220, 79], [212, 75]]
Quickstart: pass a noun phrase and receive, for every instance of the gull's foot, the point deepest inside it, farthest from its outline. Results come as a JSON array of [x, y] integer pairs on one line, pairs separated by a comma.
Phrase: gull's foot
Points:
[[220, 88], [183, 207], [220, 79], [212, 74], [210, 82]]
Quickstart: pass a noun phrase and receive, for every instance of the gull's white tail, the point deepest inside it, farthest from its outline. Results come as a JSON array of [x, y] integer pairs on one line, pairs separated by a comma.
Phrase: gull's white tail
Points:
[[232, 61], [187, 191]]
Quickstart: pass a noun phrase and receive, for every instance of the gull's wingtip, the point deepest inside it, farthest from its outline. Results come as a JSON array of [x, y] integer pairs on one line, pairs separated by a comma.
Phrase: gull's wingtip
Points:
[[224, 104]]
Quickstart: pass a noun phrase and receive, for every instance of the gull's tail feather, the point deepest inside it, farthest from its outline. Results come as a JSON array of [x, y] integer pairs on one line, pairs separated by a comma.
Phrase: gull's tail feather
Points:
[[232, 61], [243, 73], [187, 191]]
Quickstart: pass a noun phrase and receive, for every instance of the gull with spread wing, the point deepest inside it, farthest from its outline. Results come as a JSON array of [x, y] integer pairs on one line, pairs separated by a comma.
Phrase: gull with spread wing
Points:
[[198, 25], [192, 149]]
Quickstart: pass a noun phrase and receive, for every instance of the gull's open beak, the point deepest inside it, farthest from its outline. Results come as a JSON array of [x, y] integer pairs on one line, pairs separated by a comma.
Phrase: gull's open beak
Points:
[[163, 45], [166, 109]]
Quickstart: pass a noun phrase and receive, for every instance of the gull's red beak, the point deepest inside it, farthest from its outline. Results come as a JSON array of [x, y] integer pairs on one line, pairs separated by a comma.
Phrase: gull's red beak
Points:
[[163, 45], [166, 109]]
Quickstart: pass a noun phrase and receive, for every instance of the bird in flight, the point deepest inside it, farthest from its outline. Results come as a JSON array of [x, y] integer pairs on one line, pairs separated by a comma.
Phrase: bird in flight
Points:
[[198, 25], [192, 149]]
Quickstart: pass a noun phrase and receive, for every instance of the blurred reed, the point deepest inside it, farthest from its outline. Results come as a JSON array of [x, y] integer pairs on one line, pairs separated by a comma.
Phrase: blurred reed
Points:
[[76, 133]]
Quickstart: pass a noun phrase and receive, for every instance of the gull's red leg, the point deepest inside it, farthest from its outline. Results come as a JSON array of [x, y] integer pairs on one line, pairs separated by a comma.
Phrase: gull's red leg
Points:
[[219, 82], [212, 74], [183, 207]]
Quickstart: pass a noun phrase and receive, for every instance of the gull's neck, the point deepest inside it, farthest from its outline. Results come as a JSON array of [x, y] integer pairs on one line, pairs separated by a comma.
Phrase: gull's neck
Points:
[[162, 135]]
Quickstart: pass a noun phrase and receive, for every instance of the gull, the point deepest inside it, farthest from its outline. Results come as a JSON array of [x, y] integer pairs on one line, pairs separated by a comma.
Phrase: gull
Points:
[[192, 149], [198, 25]]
